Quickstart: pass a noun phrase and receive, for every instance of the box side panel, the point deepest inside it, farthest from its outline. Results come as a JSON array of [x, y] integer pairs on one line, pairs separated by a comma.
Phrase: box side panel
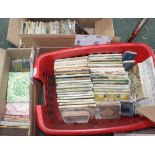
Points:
[[19, 53], [37, 97], [5, 60], [5, 131], [48, 40], [43, 50]]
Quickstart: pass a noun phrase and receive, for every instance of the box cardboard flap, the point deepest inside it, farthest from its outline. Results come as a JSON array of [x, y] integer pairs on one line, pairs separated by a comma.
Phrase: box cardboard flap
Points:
[[37, 94], [43, 50], [2, 58], [104, 27], [48, 40], [13, 131], [19, 53], [4, 67], [86, 22], [32, 112], [147, 111], [14, 29]]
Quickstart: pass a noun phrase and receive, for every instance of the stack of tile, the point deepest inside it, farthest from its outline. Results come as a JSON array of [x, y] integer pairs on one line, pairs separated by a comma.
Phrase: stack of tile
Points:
[[95, 85], [52, 27], [17, 101], [74, 89], [67, 27], [110, 83]]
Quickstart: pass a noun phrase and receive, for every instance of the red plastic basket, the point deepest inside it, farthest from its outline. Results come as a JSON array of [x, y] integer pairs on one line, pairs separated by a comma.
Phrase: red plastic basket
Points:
[[48, 115]]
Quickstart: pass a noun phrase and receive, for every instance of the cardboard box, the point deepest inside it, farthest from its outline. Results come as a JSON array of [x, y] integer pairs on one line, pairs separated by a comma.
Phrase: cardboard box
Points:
[[95, 26], [35, 86], [6, 57]]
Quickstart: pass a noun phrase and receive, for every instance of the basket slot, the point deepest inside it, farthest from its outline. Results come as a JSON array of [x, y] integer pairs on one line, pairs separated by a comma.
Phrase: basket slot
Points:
[[48, 95]]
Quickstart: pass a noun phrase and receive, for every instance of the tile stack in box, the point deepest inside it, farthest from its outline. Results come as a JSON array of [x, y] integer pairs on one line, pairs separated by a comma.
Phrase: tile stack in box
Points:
[[52, 27], [110, 84], [17, 99], [74, 89]]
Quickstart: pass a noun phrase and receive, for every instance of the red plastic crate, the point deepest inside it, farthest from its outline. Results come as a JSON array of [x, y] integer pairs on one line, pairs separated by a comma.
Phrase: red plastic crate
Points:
[[48, 115]]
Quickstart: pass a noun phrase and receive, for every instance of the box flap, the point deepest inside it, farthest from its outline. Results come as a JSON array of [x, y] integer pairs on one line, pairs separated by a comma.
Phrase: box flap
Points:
[[14, 29], [43, 50], [147, 111], [32, 103], [48, 40], [4, 67], [37, 94], [91, 31], [86, 22], [19, 53], [13, 131], [104, 27], [32, 112]]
